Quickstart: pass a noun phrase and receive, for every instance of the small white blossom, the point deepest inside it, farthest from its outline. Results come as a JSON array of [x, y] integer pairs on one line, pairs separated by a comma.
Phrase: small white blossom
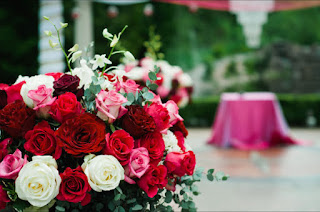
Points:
[[52, 44], [100, 61], [114, 41], [106, 34], [129, 57], [74, 48], [171, 142], [76, 55], [48, 33], [63, 25], [84, 73]]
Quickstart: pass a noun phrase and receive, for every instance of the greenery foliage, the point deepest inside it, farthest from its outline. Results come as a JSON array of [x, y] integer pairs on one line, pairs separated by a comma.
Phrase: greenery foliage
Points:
[[201, 112]]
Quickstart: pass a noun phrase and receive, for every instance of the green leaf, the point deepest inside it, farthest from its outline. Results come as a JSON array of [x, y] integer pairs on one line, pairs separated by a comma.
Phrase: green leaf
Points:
[[210, 177], [137, 208], [99, 206], [148, 83], [147, 96], [120, 209], [130, 97], [152, 76], [59, 208], [156, 69], [185, 196], [119, 190], [111, 206], [226, 177], [112, 128], [117, 197], [153, 86], [145, 89], [219, 175], [169, 196], [130, 201], [210, 171], [20, 205]]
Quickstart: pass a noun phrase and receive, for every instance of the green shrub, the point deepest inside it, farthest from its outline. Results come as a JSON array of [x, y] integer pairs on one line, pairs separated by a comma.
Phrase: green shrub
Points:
[[201, 112]]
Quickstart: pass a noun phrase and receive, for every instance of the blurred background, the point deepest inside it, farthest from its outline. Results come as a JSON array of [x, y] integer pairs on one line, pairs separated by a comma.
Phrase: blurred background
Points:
[[225, 46]]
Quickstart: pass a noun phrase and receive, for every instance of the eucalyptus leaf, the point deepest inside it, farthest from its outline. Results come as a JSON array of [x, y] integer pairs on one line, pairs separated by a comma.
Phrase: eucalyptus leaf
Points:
[[60, 208], [130, 97], [152, 76], [137, 208], [148, 83], [153, 86], [210, 171], [210, 177], [147, 96], [117, 197]]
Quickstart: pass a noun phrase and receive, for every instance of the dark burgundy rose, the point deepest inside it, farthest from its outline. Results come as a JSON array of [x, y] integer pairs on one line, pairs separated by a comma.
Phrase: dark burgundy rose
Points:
[[179, 126], [16, 119], [3, 99], [137, 121], [67, 83]]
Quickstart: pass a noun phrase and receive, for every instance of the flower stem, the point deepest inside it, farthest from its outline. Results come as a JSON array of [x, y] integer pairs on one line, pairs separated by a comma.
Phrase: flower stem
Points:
[[65, 54], [104, 68]]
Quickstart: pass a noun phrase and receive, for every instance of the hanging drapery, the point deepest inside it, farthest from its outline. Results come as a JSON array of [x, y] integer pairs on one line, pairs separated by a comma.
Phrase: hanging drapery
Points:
[[248, 6]]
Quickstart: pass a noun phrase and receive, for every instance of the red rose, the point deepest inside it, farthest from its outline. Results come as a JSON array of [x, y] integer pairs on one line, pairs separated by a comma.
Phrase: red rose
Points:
[[180, 164], [42, 141], [154, 143], [3, 99], [137, 122], [16, 119], [65, 107], [160, 116], [82, 134], [180, 139], [13, 92], [154, 178], [55, 75], [119, 144], [179, 126], [74, 186], [67, 83], [4, 147], [3, 198]]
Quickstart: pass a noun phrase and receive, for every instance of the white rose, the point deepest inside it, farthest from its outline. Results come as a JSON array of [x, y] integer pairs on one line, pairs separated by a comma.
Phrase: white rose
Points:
[[171, 142], [104, 172], [32, 84], [21, 78], [38, 181], [84, 73], [185, 80]]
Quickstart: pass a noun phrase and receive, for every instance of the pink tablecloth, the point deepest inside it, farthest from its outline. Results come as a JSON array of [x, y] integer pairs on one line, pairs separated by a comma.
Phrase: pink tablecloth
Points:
[[249, 121]]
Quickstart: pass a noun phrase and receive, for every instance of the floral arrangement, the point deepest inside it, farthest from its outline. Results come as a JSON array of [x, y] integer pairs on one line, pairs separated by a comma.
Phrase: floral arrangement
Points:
[[91, 139]]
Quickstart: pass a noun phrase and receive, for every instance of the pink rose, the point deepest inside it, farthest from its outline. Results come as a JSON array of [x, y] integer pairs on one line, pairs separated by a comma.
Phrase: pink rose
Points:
[[12, 164], [3, 198], [160, 115], [129, 86], [4, 147], [163, 91], [109, 105], [138, 164], [42, 100], [173, 110]]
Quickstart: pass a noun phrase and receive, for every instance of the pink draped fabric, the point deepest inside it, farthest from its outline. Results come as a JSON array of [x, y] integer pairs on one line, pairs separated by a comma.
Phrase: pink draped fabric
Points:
[[249, 121]]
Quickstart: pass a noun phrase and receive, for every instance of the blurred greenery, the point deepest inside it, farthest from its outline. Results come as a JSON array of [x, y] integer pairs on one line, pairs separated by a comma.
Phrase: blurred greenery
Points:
[[187, 38]]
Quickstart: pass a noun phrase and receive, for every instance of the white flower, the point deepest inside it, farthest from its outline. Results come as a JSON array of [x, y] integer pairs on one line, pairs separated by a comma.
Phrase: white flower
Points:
[[106, 84], [114, 41], [63, 25], [52, 44], [106, 34], [74, 48], [104, 172], [185, 80], [100, 61], [21, 78], [137, 73], [38, 181], [171, 142], [129, 57], [84, 73], [32, 84], [76, 55]]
